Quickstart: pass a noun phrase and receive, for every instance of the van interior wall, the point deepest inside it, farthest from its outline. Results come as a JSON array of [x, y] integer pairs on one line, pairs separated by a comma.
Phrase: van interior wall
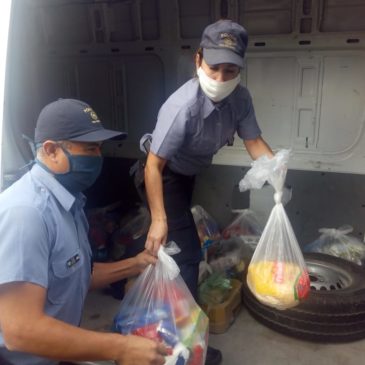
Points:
[[304, 69]]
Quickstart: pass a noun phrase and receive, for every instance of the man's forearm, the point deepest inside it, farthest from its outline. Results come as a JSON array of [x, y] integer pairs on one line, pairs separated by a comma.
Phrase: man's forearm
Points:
[[107, 273], [48, 337]]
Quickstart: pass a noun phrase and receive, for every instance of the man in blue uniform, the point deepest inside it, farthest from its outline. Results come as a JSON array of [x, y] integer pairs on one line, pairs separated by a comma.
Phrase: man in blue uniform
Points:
[[193, 124], [45, 256]]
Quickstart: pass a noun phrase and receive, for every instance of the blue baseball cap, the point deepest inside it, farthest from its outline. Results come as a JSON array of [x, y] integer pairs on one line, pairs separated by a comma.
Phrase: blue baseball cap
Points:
[[224, 42], [72, 120]]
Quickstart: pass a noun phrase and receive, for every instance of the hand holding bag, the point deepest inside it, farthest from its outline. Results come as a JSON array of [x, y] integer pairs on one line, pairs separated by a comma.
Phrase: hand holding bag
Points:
[[159, 306]]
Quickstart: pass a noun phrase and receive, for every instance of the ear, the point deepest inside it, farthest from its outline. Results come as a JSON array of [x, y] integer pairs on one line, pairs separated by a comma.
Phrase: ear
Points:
[[198, 60], [51, 149]]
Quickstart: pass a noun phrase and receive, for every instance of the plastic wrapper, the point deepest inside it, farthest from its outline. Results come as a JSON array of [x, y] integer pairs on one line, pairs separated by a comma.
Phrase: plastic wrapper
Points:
[[159, 306], [245, 224], [230, 257], [214, 290], [277, 274], [340, 243], [206, 226], [132, 226]]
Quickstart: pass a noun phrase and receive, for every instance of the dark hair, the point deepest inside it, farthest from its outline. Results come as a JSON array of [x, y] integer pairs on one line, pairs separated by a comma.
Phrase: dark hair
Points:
[[198, 53]]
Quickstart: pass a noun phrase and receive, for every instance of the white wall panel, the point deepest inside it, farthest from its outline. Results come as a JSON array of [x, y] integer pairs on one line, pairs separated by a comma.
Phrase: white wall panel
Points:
[[342, 103]]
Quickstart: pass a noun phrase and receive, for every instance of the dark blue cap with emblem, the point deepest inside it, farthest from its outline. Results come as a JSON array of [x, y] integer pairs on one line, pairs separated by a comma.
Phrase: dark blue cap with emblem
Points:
[[224, 42], [71, 120]]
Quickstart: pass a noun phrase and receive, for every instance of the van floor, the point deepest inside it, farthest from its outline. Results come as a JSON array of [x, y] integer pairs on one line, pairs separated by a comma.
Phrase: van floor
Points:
[[245, 342]]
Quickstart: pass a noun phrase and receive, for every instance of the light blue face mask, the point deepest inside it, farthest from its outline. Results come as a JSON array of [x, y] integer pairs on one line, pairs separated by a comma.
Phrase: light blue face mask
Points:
[[84, 170]]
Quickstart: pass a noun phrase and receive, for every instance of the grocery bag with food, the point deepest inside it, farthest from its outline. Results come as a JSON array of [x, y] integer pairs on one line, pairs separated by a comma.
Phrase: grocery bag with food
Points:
[[159, 306], [340, 243], [277, 273]]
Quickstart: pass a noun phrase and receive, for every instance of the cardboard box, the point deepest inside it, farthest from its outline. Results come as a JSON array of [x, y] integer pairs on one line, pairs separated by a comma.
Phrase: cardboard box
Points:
[[221, 316]]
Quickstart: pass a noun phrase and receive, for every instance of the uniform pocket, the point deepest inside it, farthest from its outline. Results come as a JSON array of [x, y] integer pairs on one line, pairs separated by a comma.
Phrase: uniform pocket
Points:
[[63, 277]]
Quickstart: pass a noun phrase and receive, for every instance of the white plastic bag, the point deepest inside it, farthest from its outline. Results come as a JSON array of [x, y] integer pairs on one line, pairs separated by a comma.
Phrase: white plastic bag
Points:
[[277, 273], [160, 306], [339, 243]]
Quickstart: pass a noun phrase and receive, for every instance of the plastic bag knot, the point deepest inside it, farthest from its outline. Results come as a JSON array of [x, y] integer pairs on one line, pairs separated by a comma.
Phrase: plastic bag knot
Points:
[[277, 197]]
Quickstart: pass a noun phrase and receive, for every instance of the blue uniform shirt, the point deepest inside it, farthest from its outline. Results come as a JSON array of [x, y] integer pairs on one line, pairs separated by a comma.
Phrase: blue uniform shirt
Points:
[[190, 128], [44, 241]]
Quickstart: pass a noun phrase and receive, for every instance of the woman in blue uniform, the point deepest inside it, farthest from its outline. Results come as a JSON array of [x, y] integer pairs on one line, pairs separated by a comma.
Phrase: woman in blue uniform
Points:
[[193, 124]]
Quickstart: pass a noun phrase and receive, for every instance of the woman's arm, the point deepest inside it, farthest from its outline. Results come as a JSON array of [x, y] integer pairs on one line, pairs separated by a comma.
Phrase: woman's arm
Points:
[[157, 233], [257, 148]]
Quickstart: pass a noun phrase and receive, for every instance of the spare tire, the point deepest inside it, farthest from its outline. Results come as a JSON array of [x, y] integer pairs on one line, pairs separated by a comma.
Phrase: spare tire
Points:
[[334, 310]]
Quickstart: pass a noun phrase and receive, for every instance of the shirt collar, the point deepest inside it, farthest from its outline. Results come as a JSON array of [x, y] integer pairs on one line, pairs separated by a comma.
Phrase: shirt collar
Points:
[[209, 106], [65, 198]]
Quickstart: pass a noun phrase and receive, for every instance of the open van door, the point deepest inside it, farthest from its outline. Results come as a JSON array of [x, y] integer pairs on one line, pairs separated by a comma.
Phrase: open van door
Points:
[[5, 6]]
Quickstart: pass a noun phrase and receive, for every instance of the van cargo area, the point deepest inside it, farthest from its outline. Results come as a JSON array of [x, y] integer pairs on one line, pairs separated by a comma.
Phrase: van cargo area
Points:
[[305, 69]]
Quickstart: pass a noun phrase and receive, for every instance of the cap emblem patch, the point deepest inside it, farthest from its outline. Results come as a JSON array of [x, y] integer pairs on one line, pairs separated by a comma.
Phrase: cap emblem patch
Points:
[[228, 41], [93, 116]]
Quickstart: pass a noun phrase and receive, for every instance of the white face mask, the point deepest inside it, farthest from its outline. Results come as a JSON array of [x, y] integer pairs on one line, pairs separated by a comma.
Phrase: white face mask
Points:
[[216, 90]]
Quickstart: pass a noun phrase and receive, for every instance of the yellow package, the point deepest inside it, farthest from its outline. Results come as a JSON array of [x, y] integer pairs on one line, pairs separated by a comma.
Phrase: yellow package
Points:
[[278, 284]]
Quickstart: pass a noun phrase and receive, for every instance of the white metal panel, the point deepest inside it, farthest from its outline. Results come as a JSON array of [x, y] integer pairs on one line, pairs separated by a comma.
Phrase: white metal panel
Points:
[[342, 103], [312, 103], [305, 116], [343, 16], [271, 82], [267, 17]]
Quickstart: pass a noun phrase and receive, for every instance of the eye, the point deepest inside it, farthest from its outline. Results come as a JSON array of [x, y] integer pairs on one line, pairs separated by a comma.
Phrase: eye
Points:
[[94, 148], [214, 68], [232, 71]]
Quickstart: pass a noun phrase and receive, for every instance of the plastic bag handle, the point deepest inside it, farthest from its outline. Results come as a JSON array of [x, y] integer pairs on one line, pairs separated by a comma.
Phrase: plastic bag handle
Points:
[[336, 233], [169, 264]]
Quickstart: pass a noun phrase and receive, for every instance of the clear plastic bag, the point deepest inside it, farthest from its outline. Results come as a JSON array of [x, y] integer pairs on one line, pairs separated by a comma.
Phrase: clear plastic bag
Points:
[[277, 273], [230, 257], [245, 224], [206, 226], [159, 306], [339, 243]]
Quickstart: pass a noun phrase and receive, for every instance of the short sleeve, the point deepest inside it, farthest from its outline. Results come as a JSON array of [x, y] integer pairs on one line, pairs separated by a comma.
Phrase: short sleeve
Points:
[[24, 246], [247, 127], [169, 133]]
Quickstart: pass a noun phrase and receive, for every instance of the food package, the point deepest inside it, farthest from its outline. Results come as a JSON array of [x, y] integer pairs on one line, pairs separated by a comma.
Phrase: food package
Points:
[[278, 284], [159, 306], [277, 274]]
